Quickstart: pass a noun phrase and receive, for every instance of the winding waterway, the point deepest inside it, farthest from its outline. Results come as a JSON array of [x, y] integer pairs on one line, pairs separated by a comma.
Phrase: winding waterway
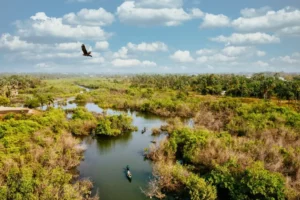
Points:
[[105, 158]]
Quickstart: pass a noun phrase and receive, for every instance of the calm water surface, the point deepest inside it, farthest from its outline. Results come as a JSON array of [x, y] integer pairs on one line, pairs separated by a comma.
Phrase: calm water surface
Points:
[[105, 158]]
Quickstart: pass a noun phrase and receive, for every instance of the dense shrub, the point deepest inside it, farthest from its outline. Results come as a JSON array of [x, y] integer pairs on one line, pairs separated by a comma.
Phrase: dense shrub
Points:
[[4, 101], [36, 158], [32, 102], [114, 125]]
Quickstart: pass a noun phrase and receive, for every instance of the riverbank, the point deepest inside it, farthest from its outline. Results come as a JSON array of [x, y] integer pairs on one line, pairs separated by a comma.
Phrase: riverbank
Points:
[[19, 110]]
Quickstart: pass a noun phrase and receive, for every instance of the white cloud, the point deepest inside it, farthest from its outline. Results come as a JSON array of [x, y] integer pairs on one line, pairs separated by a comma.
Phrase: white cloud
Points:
[[149, 63], [71, 46], [272, 20], [95, 60], [182, 56], [203, 59], [221, 58], [132, 63], [216, 58], [42, 25], [14, 43], [261, 64], [43, 66], [248, 38], [150, 47], [48, 55], [159, 4], [294, 59], [294, 31], [122, 53], [252, 12], [235, 51], [211, 20], [196, 13], [297, 54], [89, 17], [130, 13], [261, 53], [205, 52], [102, 45]]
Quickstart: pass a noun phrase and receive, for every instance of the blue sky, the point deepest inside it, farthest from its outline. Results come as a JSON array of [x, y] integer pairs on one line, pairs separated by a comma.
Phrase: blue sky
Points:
[[150, 36]]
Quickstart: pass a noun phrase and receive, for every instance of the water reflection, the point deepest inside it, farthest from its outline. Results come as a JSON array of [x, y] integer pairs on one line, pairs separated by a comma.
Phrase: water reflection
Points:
[[106, 143], [105, 157]]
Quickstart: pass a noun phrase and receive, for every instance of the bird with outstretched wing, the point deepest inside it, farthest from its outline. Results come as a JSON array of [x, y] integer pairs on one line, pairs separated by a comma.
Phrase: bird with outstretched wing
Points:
[[85, 52]]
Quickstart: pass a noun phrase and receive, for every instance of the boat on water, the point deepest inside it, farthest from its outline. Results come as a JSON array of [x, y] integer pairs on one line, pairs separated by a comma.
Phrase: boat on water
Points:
[[128, 173], [144, 130]]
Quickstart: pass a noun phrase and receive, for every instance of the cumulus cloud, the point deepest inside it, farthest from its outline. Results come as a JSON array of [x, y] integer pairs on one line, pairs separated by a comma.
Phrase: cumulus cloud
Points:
[[132, 63], [215, 58], [205, 52], [235, 51], [293, 59], [159, 4], [89, 17], [14, 43], [248, 38], [252, 12], [43, 26], [43, 66], [149, 47], [293, 31], [196, 13], [48, 55], [182, 56], [261, 53], [95, 60], [71, 46], [211, 20], [261, 64], [272, 20], [132, 12], [103, 45], [122, 53]]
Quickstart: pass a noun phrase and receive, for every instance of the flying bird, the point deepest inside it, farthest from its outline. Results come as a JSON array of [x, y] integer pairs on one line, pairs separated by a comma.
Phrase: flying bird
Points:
[[85, 52]]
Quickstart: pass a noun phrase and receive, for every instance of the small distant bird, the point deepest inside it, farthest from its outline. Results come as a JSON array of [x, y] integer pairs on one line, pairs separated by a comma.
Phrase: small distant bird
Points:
[[85, 52]]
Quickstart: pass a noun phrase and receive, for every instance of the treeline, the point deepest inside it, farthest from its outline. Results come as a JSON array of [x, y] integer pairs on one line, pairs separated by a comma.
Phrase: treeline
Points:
[[9, 84], [257, 85]]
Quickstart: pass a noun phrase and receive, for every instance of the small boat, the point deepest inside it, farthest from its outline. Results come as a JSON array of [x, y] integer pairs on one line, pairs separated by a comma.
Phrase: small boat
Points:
[[128, 173]]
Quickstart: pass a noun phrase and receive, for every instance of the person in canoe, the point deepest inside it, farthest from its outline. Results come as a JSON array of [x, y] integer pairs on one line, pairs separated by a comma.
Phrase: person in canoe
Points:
[[128, 173]]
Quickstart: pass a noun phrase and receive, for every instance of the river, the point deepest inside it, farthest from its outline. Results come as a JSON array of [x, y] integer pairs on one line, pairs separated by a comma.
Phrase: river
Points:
[[105, 158]]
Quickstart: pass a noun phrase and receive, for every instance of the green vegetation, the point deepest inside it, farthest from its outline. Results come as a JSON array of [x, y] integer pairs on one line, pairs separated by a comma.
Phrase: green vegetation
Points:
[[258, 85], [37, 156], [82, 122], [249, 152], [4, 101], [114, 125], [244, 143]]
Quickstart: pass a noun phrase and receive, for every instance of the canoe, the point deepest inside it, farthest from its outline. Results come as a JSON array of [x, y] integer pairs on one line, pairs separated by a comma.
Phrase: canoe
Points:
[[129, 175]]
